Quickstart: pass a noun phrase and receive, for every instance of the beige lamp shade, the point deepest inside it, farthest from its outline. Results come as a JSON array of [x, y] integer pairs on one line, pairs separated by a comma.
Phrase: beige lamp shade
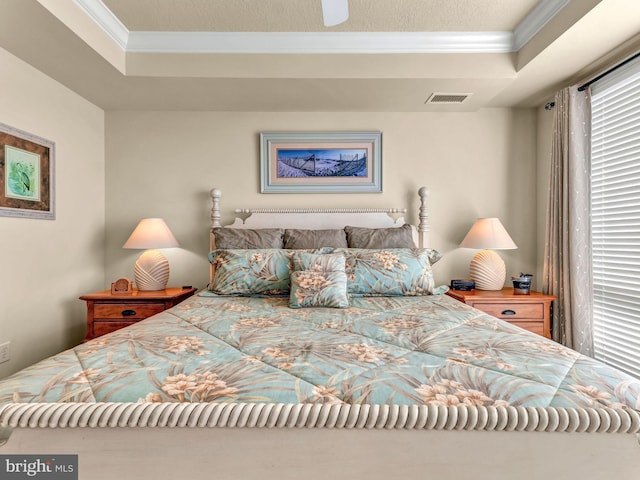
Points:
[[151, 271], [487, 269]]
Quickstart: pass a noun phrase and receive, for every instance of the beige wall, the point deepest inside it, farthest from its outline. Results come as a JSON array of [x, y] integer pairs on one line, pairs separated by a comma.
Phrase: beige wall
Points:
[[475, 164], [47, 264], [164, 163]]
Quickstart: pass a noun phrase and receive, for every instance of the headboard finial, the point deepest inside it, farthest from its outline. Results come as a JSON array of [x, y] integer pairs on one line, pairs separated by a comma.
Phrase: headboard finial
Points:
[[215, 208], [423, 226]]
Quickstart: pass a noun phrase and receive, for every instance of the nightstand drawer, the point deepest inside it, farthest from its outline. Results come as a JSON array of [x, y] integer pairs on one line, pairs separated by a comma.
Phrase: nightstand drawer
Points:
[[512, 310], [108, 312], [102, 328], [535, 327], [531, 312], [134, 311]]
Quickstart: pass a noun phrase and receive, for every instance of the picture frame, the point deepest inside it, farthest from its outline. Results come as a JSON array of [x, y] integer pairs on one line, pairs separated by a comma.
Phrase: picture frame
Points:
[[321, 162], [27, 175], [122, 286]]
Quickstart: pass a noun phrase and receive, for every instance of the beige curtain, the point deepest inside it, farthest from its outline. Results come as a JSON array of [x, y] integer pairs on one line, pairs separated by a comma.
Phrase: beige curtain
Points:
[[567, 264]]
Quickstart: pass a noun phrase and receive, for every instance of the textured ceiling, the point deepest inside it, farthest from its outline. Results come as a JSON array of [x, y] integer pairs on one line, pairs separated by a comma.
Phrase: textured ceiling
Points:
[[306, 15]]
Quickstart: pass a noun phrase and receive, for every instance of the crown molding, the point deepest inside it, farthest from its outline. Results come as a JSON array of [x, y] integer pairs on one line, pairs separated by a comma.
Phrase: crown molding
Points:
[[536, 20], [110, 24], [321, 42]]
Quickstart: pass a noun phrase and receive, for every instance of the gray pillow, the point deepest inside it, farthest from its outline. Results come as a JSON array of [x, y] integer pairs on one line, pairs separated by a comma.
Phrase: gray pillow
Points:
[[298, 239], [394, 237], [248, 238]]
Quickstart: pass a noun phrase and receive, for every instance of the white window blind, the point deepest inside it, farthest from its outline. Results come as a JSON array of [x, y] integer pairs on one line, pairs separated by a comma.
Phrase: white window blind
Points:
[[615, 217]]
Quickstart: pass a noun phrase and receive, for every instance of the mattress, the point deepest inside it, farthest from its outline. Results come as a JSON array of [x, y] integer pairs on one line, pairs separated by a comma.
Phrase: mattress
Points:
[[428, 350]]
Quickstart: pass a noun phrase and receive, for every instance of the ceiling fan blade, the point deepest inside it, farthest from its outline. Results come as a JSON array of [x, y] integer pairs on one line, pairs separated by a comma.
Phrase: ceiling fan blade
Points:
[[335, 12]]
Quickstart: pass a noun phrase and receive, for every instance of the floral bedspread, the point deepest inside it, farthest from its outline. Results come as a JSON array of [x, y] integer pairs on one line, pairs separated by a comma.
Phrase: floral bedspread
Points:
[[400, 350]]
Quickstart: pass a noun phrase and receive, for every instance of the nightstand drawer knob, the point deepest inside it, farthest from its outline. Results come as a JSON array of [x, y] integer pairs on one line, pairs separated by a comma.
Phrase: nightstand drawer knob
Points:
[[128, 313], [508, 312]]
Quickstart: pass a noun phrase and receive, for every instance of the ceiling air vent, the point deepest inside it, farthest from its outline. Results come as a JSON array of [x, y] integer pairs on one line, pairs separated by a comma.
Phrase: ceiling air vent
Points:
[[447, 98]]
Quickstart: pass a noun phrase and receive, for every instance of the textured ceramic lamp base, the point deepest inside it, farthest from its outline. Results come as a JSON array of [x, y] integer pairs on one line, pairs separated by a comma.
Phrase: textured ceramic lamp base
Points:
[[487, 269], [151, 271]]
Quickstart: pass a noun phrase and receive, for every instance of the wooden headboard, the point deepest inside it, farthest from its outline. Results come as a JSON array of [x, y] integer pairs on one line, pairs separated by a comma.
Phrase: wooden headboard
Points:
[[323, 218]]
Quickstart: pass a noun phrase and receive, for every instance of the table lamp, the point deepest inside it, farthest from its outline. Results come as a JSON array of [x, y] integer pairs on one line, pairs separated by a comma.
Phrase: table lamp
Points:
[[151, 271], [487, 269]]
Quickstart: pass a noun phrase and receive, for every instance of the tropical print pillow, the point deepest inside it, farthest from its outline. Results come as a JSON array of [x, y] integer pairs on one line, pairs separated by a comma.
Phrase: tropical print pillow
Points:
[[251, 271], [317, 261], [389, 271], [318, 281]]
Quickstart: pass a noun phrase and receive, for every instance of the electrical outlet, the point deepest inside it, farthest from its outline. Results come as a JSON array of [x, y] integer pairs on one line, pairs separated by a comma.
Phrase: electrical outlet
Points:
[[5, 352]]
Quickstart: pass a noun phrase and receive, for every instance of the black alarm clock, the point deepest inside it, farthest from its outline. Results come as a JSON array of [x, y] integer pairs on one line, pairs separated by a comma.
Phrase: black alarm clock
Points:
[[465, 285]]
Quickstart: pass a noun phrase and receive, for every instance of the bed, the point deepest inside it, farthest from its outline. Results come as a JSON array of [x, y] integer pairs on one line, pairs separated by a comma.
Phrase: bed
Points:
[[316, 361]]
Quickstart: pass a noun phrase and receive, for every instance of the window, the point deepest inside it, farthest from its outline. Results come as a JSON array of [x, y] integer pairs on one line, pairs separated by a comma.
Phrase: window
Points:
[[615, 217]]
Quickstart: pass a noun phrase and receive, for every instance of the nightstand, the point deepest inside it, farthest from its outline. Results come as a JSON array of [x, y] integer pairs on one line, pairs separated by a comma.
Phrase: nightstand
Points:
[[531, 312], [107, 313]]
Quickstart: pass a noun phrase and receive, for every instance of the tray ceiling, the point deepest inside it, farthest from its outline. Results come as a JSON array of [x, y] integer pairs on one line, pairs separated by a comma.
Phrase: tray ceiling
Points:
[[275, 55]]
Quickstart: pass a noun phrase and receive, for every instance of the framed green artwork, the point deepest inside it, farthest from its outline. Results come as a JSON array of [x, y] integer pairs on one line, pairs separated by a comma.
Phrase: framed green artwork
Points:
[[27, 187]]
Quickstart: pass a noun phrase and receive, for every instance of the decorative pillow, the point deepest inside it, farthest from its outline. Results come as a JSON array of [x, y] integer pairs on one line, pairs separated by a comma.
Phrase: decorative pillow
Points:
[[318, 281], [394, 237], [432, 255], [250, 271], [389, 272], [314, 238], [318, 260], [248, 238]]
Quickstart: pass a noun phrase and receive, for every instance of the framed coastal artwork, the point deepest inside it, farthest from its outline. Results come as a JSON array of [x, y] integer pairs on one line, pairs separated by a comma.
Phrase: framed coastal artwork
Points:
[[27, 187], [317, 162]]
